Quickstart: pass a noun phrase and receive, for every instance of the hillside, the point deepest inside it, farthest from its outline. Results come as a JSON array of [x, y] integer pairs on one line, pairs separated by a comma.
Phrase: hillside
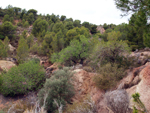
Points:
[[51, 64]]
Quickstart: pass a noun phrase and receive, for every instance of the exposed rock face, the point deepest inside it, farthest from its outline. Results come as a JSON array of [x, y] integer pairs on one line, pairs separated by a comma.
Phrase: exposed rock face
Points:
[[131, 79], [45, 64], [138, 81], [19, 30], [6, 65], [100, 29], [84, 86], [83, 83], [51, 69], [142, 57], [143, 88], [11, 48]]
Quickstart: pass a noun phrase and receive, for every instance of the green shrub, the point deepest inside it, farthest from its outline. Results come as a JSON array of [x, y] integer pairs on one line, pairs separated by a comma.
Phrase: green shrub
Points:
[[3, 51], [4, 48], [139, 104], [30, 40], [26, 24], [36, 60], [39, 26], [87, 68], [111, 51], [1, 37], [78, 50], [22, 50], [7, 29], [19, 80], [34, 49], [6, 18], [1, 111], [58, 87], [108, 76]]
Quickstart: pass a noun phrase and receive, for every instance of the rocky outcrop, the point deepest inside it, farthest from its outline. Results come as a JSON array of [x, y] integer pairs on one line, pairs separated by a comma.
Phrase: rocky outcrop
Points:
[[45, 64], [100, 29], [51, 69], [19, 30], [141, 57], [6, 65], [11, 48], [84, 85], [131, 79], [138, 81], [143, 88]]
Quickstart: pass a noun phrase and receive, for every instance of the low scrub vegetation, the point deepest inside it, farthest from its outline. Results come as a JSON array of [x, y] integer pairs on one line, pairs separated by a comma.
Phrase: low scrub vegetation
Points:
[[109, 61], [87, 105], [109, 75], [19, 80], [58, 89]]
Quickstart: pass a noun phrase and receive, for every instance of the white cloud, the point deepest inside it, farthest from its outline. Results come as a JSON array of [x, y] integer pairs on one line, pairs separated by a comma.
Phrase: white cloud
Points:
[[93, 11]]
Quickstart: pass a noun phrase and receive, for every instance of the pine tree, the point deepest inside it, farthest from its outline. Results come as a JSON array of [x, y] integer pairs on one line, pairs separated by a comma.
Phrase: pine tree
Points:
[[6, 45], [22, 50], [3, 52], [146, 39], [30, 40], [136, 29]]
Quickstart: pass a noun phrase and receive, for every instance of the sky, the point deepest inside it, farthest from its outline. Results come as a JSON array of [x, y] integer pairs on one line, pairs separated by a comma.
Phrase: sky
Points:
[[94, 11]]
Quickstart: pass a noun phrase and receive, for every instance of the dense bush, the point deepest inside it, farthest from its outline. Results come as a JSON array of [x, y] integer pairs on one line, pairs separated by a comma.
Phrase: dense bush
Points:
[[3, 52], [19, 24], [39, 26], [7, 29], [30, 40], [34, 49], [6, 18], [112, 51], [26, 24], [19, 80], [109, 76], [78, 50], [58, 88]]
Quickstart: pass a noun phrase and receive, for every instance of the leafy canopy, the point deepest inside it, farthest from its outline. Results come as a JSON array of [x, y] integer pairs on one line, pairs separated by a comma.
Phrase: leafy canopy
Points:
[[78, 50], [111, 51]]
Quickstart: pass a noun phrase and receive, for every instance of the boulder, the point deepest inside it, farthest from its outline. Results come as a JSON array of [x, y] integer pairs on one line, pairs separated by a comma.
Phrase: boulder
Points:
[[117, 101], [100, 29], [6, 65], [11, 48]]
